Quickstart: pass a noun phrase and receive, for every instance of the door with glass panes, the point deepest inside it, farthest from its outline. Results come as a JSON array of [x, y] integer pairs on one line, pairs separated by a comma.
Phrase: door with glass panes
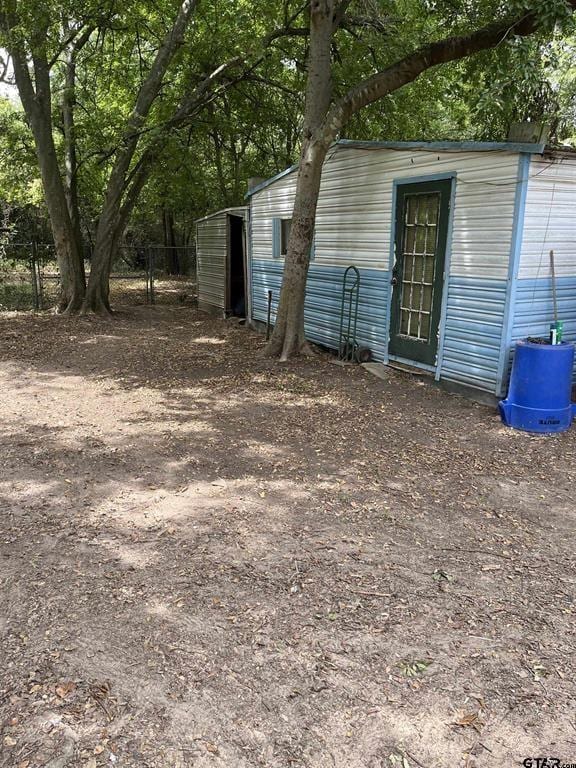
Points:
[[422, 212]]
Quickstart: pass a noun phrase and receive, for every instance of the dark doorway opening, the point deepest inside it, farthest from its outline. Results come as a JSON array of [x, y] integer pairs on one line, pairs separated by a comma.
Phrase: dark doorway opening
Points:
[[237, 267]]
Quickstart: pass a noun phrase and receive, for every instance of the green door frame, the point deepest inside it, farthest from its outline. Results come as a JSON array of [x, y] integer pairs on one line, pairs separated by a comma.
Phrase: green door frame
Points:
[[403, 346]]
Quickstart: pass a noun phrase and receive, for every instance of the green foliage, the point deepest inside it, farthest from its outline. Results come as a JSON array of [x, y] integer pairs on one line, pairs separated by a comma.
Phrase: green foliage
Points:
[[551, 14], [22, 211], [19, 181], [253, 128], [527, 80]]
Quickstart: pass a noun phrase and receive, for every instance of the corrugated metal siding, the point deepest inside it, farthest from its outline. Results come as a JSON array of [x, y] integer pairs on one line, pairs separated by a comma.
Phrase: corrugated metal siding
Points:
[[354, 222], [549, 224], [211, 245], [473, 331], [354, 208], [550, 220], [534, 308], [324, 301]]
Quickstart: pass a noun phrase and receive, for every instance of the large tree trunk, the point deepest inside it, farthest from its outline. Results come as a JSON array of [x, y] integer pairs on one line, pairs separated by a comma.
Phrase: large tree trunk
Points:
[[122, 179], [97, 297], [111, 226], [36, 100], [288, 337], [69, 130], [70, 262], [323, 122]]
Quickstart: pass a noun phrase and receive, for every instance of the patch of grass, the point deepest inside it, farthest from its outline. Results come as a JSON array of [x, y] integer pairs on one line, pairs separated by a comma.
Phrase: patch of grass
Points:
[[16, 295]]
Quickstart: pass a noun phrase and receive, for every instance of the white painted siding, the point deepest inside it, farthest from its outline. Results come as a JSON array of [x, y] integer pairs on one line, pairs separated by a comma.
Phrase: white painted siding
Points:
[[549, 224], [550, 218], [354, 226], [354, 219]]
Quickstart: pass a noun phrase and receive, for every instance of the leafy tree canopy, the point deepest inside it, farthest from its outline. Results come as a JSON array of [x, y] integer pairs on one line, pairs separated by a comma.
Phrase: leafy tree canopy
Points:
[[252, 127]]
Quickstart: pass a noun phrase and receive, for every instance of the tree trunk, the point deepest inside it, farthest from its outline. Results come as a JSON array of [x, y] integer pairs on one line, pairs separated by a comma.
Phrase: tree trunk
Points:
[[97, 297], [323, 123], [70, 263], [109, 233], [172, 261], [288, 337], [124, 179], [36, 100], [70, 156]]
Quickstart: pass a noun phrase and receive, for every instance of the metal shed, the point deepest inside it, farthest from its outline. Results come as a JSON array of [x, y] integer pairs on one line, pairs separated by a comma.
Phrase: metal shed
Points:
[[221, 265], [452, 242]]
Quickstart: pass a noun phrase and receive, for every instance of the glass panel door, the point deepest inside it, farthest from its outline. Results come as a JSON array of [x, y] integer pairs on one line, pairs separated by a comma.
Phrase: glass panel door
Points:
[[421, 230]]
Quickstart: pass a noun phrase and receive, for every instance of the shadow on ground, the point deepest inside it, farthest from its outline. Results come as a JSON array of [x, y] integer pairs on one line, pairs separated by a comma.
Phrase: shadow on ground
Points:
[[208, 558]]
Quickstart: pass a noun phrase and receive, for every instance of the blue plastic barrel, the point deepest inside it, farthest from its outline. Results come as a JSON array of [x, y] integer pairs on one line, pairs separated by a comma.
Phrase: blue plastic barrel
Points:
[[539, 397]]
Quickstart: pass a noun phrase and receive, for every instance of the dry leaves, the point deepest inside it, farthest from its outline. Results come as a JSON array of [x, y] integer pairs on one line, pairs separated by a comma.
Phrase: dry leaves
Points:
[[64, 689], [470, 720], [159, 424]]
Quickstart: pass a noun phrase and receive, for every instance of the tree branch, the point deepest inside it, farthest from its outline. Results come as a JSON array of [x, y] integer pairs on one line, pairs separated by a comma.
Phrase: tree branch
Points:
[[340, 13], [287, 29], [136, 184], [197, 97], [80, 43], [288, 32], [273, 83], [145, 98], [4, 65], [411, 67]]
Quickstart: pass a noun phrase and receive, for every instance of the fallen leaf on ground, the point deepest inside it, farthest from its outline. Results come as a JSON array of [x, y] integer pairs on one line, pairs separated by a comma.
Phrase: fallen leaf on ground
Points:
[[470, 720], [63, 689]]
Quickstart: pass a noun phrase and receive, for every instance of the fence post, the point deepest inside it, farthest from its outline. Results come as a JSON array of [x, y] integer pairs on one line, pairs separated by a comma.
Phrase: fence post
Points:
[[268, 316], [39, 273], [34, 275], [151, 273], [147, 273]]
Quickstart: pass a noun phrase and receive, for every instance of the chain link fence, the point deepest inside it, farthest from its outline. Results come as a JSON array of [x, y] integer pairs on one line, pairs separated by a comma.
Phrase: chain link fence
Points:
[[151, 274]]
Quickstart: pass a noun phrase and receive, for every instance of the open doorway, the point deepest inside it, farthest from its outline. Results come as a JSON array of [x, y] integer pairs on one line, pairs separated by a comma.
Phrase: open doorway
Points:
[[237, 268]]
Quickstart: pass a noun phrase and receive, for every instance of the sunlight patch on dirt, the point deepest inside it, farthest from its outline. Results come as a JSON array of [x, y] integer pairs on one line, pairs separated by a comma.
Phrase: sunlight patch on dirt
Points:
[[208, 559]]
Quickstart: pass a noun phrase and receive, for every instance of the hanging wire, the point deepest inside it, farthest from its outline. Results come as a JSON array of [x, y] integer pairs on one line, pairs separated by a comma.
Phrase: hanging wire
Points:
[[544, 243]]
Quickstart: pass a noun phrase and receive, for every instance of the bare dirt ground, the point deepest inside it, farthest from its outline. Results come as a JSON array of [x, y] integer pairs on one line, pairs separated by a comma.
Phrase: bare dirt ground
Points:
[[210, 559]]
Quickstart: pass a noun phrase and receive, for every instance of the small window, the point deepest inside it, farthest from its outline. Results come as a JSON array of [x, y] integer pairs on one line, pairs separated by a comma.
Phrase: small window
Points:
[[280, 237], [285, 227]]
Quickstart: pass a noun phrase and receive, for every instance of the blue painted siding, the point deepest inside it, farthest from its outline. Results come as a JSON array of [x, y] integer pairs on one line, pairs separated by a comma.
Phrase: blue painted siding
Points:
[[473, 331], [354, 226], [323, 303], [474, 317]]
